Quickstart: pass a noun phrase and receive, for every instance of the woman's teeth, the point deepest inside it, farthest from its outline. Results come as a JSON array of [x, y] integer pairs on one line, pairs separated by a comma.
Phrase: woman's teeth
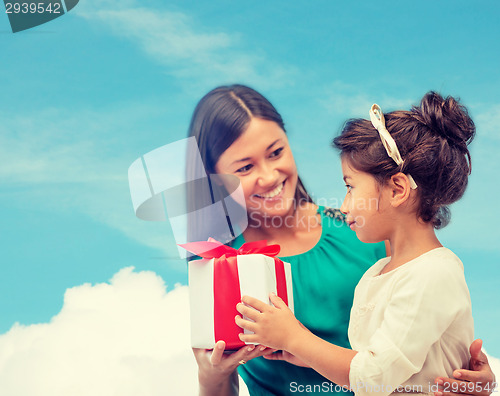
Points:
[[272, 193]]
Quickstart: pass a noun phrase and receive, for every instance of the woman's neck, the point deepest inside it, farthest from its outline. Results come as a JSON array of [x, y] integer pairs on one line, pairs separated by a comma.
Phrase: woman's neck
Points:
[[296, 233]]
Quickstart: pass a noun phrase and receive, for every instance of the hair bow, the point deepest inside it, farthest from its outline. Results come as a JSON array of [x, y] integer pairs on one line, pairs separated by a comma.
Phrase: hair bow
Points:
[[378, 121]]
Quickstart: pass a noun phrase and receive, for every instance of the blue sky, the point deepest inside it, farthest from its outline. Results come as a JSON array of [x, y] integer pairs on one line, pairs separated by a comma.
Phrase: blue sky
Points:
[[85, 95]]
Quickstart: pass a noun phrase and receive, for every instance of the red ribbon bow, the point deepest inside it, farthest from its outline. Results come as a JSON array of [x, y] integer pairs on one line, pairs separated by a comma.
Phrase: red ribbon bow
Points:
[[214, 249]]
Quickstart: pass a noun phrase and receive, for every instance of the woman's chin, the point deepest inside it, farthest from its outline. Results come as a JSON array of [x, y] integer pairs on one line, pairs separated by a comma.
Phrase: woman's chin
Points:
[[271, 206], [271, 215]]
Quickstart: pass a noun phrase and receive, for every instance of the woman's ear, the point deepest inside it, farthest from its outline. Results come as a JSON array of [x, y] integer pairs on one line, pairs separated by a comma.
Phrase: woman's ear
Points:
[[400, 189]]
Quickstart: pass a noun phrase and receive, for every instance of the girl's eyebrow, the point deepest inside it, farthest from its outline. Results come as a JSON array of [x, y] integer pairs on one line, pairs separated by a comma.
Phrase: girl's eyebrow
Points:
[[346, 177], [248, 158]]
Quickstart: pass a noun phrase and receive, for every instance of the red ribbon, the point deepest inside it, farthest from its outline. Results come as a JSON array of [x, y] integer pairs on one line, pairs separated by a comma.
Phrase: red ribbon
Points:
[[227, 284], [213, 249]]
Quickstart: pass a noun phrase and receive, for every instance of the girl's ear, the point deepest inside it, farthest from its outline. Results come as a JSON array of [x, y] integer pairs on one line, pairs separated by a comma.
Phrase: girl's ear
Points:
[[400, 189]]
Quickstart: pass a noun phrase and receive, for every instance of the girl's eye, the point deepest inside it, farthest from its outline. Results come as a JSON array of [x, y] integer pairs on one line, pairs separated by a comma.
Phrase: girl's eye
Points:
[[244, 169], [277, 152], [349, 188]]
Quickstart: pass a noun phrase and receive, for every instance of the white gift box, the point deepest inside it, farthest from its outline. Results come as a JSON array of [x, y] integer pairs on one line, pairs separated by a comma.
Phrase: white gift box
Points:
[[216, 285]]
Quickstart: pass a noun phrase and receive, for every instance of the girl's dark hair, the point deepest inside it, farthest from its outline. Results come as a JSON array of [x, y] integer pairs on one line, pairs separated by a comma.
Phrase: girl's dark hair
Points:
[[220, 118], [432, 139]]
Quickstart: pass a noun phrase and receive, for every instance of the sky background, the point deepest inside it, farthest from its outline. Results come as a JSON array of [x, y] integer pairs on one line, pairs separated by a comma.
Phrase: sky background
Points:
[[89, 294]]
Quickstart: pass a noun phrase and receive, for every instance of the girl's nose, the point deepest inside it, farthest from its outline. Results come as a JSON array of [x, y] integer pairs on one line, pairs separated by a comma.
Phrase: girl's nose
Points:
[[344, 208]]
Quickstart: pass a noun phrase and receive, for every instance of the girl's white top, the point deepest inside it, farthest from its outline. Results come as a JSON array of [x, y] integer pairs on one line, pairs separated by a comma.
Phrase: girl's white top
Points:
[[410, 325]]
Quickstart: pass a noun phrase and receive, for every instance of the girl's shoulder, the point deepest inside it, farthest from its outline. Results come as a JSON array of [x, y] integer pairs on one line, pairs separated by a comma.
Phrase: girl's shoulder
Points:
[[442, 263], [440, 259], [437, 268]]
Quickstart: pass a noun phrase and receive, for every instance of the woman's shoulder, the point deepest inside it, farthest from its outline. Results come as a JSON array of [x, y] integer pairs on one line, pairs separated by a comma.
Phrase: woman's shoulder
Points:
[[333, 223], [332, 213]]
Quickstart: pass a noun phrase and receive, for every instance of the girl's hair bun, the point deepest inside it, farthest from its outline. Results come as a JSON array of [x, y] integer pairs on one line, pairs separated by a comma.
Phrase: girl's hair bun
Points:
[[447, 118]]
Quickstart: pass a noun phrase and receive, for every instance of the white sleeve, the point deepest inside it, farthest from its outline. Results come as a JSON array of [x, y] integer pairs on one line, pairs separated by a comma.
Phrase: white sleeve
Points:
[[422, 306]]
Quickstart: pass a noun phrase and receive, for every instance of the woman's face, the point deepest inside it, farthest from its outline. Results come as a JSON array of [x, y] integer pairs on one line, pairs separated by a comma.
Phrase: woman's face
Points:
[[262, 160]]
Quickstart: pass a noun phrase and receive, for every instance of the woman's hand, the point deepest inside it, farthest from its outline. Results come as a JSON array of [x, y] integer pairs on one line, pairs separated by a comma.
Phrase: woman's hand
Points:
[[273, 326], [478, 381], [217, 373]]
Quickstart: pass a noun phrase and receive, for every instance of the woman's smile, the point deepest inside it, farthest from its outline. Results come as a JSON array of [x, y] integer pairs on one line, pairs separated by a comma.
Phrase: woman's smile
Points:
[[273, 194]]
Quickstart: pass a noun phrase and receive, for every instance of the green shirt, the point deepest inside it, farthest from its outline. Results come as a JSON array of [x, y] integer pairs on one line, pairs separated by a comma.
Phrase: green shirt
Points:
[[324, 279]]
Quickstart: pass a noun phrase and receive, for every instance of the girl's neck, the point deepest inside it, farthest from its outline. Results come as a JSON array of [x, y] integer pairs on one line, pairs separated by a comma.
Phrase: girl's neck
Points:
[[409, 240]]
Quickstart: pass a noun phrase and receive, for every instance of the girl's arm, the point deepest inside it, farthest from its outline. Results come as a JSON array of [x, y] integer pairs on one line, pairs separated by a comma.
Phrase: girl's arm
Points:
[[277, 327]]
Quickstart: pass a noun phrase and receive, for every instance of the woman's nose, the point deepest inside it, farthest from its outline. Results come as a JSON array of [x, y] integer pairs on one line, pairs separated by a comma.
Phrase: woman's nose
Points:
[[268, 176]]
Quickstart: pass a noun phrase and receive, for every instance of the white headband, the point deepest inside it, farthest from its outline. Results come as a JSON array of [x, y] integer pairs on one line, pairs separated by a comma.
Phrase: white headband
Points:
[[378, 121]]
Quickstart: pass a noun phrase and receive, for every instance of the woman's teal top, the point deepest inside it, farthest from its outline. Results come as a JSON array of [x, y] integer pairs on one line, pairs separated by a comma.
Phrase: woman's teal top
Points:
[[324, 279]]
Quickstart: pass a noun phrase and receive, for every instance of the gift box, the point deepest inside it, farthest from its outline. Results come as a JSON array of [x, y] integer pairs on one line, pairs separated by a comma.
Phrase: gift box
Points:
[[219, 280]]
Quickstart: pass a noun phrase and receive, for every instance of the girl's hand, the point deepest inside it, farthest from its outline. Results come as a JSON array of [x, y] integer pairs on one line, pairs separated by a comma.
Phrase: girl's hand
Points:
[[217, 373], [287, 357], [478, 381], [273, 326]]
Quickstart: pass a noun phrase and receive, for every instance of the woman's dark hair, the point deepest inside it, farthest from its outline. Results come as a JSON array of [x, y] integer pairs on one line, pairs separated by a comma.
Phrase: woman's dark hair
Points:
[[432, 139], [220, 118]]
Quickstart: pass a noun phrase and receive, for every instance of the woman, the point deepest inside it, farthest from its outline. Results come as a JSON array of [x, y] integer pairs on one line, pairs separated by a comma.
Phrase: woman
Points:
[[240, 133]]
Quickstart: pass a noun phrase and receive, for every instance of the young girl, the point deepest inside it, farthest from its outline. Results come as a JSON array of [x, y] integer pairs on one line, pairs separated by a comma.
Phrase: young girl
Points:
[[411, 316]]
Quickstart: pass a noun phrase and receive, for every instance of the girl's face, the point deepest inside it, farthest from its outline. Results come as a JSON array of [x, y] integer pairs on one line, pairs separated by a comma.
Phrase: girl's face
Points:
[[365, 205], [262, 160]]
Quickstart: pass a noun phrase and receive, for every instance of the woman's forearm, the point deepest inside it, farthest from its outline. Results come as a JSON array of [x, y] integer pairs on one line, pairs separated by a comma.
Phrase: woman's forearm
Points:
[[227, 387]]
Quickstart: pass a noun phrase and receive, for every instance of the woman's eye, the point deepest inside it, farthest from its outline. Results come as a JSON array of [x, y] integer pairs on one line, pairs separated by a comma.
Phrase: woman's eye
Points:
[[349, 188], [244, 169], [277, 152]]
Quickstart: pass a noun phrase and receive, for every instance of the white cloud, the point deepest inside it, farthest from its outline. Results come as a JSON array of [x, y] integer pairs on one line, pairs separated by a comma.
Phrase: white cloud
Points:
[[347, 100], [56, 146], [487, 121], [482, 188], [128, 337], [189, 50]]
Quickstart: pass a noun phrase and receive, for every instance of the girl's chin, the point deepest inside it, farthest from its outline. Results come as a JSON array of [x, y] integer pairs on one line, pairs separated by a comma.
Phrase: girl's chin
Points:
[[366, 238]]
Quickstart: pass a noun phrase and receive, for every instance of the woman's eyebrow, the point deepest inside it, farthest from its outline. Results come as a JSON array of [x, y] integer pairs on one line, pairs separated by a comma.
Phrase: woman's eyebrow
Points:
[[272, 144]]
